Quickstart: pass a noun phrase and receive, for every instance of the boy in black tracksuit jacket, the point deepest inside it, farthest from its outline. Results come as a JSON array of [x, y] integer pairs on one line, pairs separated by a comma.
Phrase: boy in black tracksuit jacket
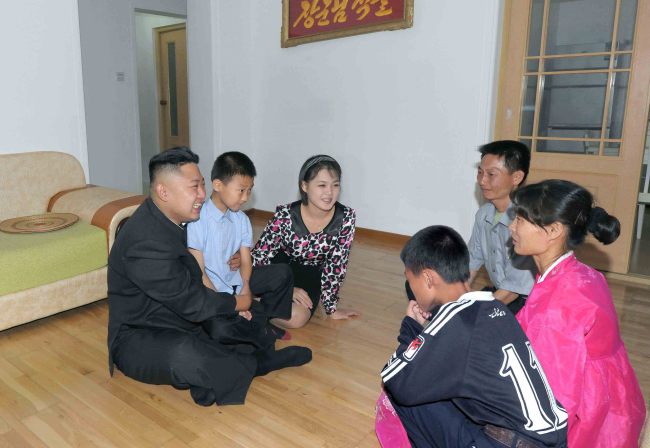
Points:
[[468, 377]]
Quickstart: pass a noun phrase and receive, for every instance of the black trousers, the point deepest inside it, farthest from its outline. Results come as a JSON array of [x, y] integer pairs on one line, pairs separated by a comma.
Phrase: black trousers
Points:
[[220, 355], [513, 306], [442, 425], [186, 360], [304, 276], [273, 284]]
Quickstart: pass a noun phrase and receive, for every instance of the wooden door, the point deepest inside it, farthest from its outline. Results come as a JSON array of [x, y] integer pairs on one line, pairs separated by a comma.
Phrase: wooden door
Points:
[[574, 86], [171, 55]]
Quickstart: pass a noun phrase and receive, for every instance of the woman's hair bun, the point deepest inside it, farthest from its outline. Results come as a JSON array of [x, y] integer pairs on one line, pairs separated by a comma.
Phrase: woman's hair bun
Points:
[[605, 227]]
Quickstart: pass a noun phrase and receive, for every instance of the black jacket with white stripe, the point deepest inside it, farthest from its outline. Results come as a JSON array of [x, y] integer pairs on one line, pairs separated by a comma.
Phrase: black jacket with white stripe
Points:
[[475, 354]]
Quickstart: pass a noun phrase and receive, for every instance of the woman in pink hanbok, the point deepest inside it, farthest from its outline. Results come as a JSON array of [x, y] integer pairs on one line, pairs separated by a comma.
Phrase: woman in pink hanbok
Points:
[[569, 316]]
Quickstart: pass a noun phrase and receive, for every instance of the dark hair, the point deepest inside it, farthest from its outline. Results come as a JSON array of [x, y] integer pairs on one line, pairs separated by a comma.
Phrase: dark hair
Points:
[[516, 155], [562, 201], [231, 164], [170, 161], [439, 248], [312, 167]]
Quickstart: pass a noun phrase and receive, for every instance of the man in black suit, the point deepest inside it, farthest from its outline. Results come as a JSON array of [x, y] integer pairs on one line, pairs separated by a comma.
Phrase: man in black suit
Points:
[[158, 305]]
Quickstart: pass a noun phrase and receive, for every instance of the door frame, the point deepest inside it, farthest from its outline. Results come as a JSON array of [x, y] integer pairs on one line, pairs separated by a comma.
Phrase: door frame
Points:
[[159, 80], [508, 117]]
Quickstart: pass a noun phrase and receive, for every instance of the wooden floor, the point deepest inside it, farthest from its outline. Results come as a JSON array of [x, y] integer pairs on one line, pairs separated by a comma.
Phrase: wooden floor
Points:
[[55, 389], [640, 256]]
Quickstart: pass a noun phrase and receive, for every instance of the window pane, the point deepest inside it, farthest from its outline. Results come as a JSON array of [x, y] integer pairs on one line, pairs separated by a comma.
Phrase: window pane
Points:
[[579, 63], [572, 105], [580, 26], [535, 36], [627, 17], [612, 149], [623, 61], [617, 105], [173, 100], [532, 65], [528, 108], [569, 147]]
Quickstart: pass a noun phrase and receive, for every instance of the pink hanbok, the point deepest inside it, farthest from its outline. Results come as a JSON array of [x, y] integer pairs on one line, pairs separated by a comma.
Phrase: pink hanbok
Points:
[[570, 320]]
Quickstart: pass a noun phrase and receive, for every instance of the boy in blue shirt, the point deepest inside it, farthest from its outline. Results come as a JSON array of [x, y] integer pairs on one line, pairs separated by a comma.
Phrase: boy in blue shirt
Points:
[[223, 230]]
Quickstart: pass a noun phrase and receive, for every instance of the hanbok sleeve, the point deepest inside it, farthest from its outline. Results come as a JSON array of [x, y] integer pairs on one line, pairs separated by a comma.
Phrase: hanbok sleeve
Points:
[[612, 409], [559, 342]]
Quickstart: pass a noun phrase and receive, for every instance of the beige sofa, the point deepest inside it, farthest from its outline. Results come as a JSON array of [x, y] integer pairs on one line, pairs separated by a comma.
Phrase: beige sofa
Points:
[[38, 182]]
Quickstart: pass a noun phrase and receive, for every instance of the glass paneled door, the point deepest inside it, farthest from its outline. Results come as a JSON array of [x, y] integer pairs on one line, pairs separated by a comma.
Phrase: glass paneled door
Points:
[[171, 64], [573, 87]]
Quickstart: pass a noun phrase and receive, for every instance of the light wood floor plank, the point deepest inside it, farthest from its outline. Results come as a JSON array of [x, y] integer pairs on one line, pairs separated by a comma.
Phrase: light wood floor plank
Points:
[[20, 435], [55, 389]]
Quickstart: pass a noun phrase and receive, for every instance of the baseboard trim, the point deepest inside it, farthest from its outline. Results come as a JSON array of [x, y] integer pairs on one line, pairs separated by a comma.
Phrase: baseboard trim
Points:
[[362, 234], [635, 279], [379, 236], [258, 214], [396, 239]]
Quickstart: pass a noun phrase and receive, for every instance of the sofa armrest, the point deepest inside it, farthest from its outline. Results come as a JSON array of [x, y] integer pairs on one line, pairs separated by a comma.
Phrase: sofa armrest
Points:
[[100, 206]]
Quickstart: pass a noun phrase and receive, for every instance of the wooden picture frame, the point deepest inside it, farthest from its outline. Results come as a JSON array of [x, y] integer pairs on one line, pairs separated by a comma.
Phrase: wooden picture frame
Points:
[[306, 21]]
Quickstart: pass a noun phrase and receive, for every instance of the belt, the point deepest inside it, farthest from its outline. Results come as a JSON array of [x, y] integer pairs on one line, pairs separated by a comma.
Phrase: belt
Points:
[[507, 437]]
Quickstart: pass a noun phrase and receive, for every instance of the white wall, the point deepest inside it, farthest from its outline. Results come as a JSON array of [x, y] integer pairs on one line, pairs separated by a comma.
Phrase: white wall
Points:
[[108, 47], [148, 86], [41, 86], [402, 111], [203, 79]]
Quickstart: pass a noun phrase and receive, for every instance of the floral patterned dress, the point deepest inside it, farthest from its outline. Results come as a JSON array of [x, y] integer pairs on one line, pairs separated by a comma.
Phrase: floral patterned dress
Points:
[[328, 249]]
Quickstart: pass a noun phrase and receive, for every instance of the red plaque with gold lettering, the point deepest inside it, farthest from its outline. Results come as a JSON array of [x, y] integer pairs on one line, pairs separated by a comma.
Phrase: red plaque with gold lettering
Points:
[[306, 21]]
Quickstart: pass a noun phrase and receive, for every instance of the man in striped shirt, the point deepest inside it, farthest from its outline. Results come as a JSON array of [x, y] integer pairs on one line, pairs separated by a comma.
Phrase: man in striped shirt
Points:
[[466, 375]]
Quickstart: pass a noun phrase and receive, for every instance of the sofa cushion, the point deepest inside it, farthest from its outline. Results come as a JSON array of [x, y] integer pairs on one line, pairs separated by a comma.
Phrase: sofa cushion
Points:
[[35, 259], [28, 181]]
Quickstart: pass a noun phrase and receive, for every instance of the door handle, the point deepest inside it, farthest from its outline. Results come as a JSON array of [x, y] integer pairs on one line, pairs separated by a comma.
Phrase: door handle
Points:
[[163, 102]]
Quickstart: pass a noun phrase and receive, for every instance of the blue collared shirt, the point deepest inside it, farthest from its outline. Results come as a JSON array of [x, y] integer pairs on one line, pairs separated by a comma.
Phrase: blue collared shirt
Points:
[[491, 245], [218, 236]]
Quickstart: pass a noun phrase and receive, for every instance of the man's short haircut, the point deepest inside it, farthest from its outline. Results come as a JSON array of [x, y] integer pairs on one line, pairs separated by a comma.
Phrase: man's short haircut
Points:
[[516, 155], [170, 161], [230, 164], [439, 248]]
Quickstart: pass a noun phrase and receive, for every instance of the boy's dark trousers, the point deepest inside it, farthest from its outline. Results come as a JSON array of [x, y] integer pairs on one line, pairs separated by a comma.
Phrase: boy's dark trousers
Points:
[[442, 424], [274, 285]]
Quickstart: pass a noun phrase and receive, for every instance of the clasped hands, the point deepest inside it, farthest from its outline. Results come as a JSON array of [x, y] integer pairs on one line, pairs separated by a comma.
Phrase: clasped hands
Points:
[[414, 311]]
